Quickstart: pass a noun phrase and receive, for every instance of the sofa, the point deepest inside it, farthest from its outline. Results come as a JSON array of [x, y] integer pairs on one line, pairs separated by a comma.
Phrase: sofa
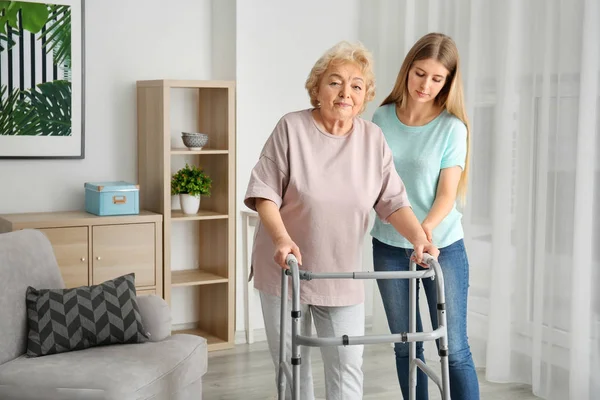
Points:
[[164, 367]]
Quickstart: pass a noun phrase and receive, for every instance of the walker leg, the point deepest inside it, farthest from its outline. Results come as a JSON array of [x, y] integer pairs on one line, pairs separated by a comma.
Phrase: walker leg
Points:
[[443, 350], [281, 381], [412, 327], [296, 359]]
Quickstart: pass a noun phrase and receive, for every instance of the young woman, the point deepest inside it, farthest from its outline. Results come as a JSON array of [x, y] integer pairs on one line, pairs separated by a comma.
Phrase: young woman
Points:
[[425, 124]]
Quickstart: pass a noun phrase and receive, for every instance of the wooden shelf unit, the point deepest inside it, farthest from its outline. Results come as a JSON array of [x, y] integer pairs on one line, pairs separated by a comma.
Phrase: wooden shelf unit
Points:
[[214, 278]]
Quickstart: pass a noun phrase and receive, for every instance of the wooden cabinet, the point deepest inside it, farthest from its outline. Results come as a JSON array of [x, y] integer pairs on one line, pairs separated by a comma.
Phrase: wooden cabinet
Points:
[[71, 250], [118, 248], [165, 108], [90, 249]]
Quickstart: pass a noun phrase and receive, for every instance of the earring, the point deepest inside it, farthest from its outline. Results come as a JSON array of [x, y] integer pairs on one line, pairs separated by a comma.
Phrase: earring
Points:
[[318, 104]]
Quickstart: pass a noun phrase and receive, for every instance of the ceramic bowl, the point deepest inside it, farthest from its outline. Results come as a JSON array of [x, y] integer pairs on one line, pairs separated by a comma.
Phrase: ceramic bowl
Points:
[[194, 141]]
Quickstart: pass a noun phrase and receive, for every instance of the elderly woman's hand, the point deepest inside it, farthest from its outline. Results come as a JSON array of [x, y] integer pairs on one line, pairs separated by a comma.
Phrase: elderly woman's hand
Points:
[[283, 247]]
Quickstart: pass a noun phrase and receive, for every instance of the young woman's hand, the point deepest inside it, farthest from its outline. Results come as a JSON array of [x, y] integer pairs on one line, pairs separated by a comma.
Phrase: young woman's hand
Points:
[[424, 247], [283, 247], [407, 224], [428, 231]]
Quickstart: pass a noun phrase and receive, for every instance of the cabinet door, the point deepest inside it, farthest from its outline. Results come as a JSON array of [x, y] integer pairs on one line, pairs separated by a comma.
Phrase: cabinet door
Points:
[[121, 249], [71, 250]]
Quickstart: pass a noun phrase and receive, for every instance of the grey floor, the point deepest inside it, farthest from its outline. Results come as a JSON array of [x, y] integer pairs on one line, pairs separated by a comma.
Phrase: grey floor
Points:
[[246, 372]]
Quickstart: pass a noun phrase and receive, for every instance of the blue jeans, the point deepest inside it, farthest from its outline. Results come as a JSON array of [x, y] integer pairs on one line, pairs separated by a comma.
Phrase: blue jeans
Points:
[[394, 293]]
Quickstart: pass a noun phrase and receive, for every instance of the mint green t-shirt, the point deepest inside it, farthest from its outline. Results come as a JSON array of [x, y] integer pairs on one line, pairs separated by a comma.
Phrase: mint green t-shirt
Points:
[[420, 153]]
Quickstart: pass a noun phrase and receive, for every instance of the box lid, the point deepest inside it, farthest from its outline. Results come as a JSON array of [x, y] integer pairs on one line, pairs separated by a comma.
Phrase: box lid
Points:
[[115, 186]]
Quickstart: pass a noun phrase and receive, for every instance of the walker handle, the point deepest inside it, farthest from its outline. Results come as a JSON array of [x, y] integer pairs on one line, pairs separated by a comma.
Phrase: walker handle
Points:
[[427, 258], [290, 260]]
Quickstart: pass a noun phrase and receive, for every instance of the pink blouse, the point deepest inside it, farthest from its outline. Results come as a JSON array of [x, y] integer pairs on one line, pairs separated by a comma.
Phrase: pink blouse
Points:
[[325, 186]]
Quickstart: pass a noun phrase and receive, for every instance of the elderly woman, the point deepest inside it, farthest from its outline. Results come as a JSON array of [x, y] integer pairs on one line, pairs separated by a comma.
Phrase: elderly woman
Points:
[[319, 174]]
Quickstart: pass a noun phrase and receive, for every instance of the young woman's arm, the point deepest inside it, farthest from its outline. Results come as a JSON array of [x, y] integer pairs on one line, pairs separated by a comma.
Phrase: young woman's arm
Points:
[[444, 199], [407, 224], [271, 219]]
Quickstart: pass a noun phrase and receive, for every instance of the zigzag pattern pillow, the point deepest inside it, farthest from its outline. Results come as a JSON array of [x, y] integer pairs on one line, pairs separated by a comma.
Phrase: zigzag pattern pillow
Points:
[[63, 320]]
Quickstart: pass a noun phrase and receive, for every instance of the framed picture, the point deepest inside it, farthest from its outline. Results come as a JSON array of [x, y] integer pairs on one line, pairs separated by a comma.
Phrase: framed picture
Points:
[[42, 87]]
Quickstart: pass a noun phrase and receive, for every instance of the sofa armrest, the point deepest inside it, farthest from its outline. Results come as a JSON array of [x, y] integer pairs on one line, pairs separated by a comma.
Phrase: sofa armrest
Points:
[[156, 316]]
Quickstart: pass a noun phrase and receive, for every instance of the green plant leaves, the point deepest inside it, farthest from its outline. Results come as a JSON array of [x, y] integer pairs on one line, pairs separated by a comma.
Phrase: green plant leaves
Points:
[[41, 111], [8, 13], [191, 180], [16, 116], [35, 16], [52, 104], [5, 38], [58, 34]]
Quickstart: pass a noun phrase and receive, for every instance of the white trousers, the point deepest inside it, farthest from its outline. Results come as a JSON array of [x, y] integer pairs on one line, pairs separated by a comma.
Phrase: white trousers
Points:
[[343, 365]]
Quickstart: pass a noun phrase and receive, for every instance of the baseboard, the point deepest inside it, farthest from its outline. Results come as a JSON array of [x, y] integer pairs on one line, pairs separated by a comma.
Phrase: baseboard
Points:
[[183, 327], [259, 336]]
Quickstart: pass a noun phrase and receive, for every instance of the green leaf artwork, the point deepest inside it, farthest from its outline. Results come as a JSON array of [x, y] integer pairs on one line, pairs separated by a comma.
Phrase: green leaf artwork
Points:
[[42, 107]]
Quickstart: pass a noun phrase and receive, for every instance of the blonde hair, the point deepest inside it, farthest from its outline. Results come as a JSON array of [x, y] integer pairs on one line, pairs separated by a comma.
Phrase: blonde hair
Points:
[[343, 52], [441, 48]]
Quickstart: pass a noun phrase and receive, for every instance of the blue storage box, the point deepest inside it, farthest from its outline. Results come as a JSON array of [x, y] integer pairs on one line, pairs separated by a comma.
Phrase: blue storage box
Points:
[[112, 198]]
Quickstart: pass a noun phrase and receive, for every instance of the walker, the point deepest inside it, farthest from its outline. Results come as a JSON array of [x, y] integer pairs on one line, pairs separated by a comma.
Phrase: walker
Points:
[[412, 336]]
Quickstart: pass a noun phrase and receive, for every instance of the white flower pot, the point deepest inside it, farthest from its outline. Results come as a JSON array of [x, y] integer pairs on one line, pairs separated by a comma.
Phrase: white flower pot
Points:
[[189, 204]]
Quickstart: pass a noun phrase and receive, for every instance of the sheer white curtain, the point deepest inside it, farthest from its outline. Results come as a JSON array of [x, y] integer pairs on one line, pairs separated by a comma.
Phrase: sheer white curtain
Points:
[[532, 222]]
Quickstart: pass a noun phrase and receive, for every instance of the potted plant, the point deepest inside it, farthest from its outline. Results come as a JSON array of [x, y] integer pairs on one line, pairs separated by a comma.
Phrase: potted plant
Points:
[[190, 183]]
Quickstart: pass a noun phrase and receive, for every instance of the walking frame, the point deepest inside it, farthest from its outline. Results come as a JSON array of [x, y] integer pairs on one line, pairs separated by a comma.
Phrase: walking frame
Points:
[[411, 337]]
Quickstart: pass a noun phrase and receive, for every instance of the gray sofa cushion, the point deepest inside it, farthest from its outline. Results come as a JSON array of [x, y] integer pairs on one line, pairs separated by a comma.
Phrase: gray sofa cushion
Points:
[[26, 258], [121, 372], [62, 320], [156, 316]]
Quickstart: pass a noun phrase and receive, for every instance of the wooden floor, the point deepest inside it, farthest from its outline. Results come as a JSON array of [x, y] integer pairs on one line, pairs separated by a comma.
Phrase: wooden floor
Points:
[[246, 372]]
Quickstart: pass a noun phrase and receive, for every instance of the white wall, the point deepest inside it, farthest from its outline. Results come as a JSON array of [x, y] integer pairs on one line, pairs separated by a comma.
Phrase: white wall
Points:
[[277, 45], [223, 31]]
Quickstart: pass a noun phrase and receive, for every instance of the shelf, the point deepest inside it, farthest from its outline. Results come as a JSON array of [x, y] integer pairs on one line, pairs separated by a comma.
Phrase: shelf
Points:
[[214, 343], [209, 108], [178, 215], [185, 151], [193, 277]]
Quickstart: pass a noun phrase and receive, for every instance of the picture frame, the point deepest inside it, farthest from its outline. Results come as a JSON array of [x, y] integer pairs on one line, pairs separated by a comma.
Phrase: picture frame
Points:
[[42, 79]]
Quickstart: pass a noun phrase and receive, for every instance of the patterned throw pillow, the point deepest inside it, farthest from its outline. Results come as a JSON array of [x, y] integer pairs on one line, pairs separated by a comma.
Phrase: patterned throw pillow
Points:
[[63, 320]]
